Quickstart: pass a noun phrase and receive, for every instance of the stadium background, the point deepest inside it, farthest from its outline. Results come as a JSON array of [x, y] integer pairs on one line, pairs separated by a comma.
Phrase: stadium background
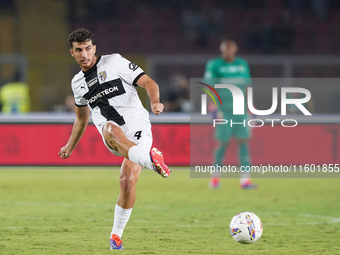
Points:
[[69, 209], [280, 39]]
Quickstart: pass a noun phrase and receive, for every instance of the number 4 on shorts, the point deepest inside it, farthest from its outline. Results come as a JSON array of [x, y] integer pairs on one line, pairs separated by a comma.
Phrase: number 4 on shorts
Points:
[[138, 134]]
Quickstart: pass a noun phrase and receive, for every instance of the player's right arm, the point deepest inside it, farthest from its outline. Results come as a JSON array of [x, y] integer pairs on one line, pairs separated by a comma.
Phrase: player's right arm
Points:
[[210, 71], [79, 127]]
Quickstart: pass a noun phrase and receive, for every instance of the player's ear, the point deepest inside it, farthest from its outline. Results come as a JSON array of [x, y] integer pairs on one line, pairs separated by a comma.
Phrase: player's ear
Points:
[[222, 46], [94, 48], [71, 51]]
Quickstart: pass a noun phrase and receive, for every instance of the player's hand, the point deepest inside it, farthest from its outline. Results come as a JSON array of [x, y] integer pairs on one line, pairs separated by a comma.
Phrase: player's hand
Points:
[[64, 153], [157, 108]]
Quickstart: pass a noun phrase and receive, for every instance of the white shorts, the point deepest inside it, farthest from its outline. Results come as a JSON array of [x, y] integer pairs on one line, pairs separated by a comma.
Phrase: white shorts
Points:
[[138, 131]]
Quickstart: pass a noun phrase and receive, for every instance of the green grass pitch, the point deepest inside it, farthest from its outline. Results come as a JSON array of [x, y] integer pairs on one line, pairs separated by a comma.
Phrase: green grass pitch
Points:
[[69, 210]]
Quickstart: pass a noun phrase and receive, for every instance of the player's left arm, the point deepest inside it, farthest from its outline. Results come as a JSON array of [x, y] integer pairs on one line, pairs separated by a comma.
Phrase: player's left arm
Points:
[[248, 83], [153, 92]]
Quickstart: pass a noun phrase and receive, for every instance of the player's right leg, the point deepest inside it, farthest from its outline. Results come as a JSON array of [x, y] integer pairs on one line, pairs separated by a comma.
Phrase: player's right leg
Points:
[[117, 141], [223, 135], [158, 163], [219, 154]]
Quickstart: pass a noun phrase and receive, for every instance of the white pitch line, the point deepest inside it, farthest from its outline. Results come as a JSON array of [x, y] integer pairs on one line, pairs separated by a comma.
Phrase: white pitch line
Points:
[[326, 219], [189, 225], [54, 204]]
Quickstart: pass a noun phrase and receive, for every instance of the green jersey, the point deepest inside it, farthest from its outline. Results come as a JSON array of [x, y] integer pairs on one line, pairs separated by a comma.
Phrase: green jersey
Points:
[[235, 73]]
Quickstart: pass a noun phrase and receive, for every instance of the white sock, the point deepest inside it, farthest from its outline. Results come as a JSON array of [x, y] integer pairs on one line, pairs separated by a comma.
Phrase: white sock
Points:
[[244, 179], [245, 176], [216, 175], [138, 155], [120, 219]]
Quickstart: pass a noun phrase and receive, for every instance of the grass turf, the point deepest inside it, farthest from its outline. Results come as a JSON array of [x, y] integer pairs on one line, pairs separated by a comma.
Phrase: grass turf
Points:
[[69, 210]]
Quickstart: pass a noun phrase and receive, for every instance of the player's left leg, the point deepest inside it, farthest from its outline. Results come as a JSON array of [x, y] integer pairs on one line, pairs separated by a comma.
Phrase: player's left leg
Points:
[[242, 135], [244, 157], [129, 174]]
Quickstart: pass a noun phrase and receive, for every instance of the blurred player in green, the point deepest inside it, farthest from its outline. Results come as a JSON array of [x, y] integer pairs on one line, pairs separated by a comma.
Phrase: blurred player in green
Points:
[[229, 69]]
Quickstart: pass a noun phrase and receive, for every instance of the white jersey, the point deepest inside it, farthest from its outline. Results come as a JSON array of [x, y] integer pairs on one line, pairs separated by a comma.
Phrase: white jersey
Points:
[[108, 88]]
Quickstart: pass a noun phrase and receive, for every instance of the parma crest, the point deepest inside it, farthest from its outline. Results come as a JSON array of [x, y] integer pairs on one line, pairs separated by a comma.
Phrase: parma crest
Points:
[[103, 75]]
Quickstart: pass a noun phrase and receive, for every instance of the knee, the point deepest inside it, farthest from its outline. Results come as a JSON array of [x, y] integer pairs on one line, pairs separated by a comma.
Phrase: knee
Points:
[[224, 144], [242, 141], [127, 182], [112, 133]]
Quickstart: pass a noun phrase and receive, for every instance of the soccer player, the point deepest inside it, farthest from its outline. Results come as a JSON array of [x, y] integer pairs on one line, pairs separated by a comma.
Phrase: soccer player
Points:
[[233, 70], [106, 87]]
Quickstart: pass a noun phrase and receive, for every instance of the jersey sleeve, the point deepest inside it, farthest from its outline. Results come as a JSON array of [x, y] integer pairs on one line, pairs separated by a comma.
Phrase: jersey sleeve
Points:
[[128, 71], [247, 73], [246, 66], [210, 70], [78, 99]]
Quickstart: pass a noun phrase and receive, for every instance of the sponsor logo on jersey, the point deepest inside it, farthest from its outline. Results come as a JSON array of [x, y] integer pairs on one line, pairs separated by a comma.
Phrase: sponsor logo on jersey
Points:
[[133, 66], [103, 75], [232, 69], [92, 82], [102, 93]]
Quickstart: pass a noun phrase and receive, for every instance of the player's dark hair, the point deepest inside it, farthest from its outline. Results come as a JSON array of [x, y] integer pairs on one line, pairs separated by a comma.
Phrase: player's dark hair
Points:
[[80, 35], [228, 38]]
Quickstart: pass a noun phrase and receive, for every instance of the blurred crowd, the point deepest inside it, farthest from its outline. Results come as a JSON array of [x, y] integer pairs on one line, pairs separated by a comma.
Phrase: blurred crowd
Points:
[[174, 26], [263, 27]]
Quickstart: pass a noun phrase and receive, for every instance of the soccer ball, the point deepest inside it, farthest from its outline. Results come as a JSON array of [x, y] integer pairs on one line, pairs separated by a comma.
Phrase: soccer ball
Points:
[[246, 227]]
